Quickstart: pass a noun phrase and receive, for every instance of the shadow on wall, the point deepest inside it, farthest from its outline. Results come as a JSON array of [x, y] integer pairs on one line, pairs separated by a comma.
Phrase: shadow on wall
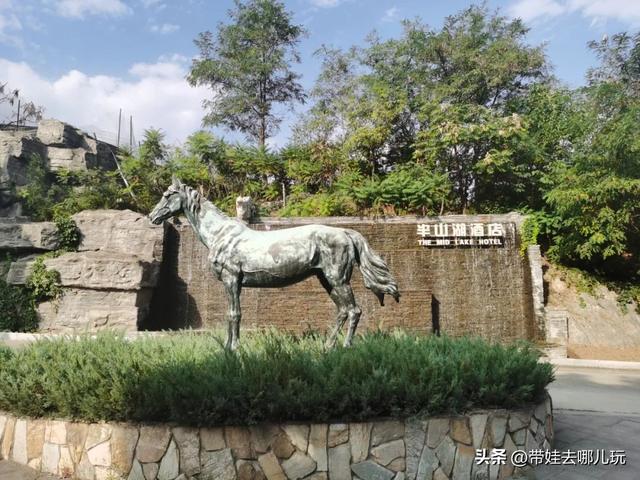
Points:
[[172, 306]]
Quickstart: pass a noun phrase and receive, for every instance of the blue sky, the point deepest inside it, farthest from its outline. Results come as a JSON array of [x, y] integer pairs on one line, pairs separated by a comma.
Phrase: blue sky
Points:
[[86, 59]]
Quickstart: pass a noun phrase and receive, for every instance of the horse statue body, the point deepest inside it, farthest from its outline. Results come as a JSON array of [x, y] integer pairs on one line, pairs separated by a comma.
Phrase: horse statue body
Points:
[[242, 257]]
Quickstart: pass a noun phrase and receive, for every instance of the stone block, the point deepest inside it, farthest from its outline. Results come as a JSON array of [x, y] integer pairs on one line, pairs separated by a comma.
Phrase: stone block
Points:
[[414, 439], [20, 270], [7, 438], [427, 465], [387, 452], [463, 462], [299, 435], [100, 455], [460, 431], [498, 429], [438, 429], [104, 270], [150, 470], [57, 133], [318, 445], [282, 446], [212, 439], [35, 438], [76, 438], [369, 470], [189, 448], [446, 453], [50, 458], [340, 462], [20, 442], [65, 465], [152, 444], [478, 426], [262, 436], [271, 467], [121, 231], [28, 236], [298, 466], [56, 432], [360, 438], [136, 472], [74, 159], [218, 465], [80, 310], [239, 441], [387, 431], [338, 434], [170, 464], [123, 444]]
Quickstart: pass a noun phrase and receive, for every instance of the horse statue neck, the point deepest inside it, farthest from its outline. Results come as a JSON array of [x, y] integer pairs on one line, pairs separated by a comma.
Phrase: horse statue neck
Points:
[[199, 210]]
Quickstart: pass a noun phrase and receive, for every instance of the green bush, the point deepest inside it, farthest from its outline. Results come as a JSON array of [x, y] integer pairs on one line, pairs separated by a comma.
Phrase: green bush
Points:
[[191, 379], [42, 283], [17, 310]]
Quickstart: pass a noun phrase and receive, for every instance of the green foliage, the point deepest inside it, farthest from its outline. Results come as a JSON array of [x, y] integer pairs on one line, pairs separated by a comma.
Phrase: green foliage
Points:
[[17, 311], [529, 233], [191, 380], [67, 232], [247, 66], [42, 283], [409, 189]]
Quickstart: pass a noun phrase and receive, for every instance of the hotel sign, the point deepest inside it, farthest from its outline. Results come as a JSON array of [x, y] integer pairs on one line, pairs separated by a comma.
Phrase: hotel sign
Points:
[[461, 234]]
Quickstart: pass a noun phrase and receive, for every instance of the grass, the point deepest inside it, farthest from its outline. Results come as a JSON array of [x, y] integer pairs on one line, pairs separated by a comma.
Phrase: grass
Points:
[[189, 379]]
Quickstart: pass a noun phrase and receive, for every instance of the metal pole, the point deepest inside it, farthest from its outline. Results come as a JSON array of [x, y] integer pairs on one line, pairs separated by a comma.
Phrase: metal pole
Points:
[[119, 123], [18, 116]]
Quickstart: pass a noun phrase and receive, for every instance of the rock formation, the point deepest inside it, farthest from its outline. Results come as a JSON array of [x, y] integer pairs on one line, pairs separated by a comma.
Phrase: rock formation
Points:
[[107, 283], [57, 144]]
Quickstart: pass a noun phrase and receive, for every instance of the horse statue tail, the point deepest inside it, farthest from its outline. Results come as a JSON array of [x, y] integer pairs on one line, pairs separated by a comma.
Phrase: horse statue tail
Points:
[[375, 272]]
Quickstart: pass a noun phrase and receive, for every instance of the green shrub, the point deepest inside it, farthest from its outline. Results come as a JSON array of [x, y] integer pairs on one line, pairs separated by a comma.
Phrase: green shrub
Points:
[[42, 283], [67, 232], [17, 310], [190, 379]]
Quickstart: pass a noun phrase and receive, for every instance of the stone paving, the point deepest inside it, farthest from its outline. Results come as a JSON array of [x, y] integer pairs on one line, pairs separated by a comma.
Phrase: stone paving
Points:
[[13, 471], [579, 430]]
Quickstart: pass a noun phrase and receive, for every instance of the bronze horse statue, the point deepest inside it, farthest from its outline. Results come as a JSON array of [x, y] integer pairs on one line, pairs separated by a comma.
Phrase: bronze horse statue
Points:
[[242, 257]]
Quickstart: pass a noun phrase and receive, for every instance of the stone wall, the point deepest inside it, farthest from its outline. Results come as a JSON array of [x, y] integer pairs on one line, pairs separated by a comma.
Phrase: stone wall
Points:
[[475, 291], [107, 283], [434, 449]]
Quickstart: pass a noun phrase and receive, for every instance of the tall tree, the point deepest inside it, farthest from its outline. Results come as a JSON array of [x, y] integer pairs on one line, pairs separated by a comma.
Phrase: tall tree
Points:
[[248, 67]]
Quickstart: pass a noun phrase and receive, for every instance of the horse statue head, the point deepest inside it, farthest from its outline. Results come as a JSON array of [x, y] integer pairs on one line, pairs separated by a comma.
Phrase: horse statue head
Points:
[[170, 204]]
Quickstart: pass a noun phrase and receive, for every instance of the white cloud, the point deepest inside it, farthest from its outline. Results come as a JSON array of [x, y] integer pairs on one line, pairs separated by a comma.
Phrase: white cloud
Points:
[[326, 3], [157, 96], [83, 8], [164, 28], [390, 14], [597, 10]]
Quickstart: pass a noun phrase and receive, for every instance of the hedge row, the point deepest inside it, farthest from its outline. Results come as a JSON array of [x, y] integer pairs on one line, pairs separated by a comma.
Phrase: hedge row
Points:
[[191, 380]]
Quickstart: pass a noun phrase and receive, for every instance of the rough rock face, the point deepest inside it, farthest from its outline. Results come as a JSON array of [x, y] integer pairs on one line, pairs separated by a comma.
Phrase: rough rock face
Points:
[[58, 144], [121, 231], [22, 235], [82, 310], [108, 283]]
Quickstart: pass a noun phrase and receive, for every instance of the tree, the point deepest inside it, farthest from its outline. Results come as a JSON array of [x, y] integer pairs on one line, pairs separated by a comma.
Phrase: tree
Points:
[[22, 110], [248, 68]]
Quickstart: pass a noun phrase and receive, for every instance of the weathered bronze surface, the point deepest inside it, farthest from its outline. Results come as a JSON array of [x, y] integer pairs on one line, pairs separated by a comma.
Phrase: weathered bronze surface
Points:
[[242, 257]]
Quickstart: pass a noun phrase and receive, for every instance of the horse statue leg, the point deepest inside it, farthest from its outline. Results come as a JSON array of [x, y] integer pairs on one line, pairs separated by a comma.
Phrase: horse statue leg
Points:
[[233, 289], [342, 296]]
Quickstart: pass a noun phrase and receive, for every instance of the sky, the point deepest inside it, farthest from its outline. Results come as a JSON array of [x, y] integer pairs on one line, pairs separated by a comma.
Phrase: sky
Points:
[[85, 60]]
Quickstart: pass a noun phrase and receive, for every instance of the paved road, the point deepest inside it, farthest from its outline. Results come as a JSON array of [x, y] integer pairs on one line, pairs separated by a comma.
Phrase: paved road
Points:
[[595, 409]]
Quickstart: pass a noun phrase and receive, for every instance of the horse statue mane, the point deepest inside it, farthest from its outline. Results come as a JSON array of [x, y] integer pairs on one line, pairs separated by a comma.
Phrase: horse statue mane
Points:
[[242, 257]]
